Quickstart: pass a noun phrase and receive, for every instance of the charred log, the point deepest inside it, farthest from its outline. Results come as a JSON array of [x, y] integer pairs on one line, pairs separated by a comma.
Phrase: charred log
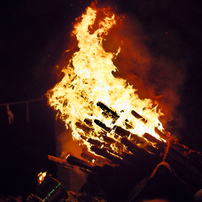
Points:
[[78, 162], [95, 142], [159, 144], [102, 125], [112, 157], [160, 133], [122, 132], [138, 116], [107, 112]]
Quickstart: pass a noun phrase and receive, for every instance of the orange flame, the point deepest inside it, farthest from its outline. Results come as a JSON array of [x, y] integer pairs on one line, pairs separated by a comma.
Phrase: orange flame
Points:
[[89, 96]]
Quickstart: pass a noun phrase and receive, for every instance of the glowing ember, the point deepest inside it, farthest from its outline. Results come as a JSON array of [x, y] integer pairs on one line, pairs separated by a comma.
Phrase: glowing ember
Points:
[[40, 177], [91, 101]]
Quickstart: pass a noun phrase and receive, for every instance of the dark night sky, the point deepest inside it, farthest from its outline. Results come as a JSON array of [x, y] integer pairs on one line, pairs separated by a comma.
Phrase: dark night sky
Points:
[[34, 34]]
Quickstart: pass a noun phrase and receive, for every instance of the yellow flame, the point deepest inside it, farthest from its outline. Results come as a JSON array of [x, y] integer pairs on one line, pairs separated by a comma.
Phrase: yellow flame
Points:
[[89, 80]]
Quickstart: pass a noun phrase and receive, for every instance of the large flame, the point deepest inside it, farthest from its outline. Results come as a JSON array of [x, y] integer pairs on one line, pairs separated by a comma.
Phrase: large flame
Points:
[[89, 96]]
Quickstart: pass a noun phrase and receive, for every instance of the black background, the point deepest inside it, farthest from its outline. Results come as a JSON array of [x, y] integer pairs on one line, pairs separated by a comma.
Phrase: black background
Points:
[[33, 36]]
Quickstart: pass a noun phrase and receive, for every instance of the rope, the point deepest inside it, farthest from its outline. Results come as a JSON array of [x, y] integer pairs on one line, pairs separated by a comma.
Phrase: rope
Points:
[[10, 114], [14, 103]]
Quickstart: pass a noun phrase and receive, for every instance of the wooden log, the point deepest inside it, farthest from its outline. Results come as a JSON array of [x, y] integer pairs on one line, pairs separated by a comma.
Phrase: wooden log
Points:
[[102, 125], [159, 144], [95, 142], [160, 133], [107, 111], [133, 147], [138, 116], [112, 157], [95, 159], [60, 161], [78, 162], [122, 132], [108, 139]]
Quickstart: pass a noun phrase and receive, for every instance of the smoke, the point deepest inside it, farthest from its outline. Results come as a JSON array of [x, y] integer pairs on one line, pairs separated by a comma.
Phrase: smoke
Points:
[[151, 63], [66, 145]]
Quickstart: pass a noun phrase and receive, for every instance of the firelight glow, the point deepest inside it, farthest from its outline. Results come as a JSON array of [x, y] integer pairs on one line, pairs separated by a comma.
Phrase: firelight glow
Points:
[[89, 87]]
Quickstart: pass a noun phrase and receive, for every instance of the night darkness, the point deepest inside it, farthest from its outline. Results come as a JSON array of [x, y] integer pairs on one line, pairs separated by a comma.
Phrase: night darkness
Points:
[[33, 37]]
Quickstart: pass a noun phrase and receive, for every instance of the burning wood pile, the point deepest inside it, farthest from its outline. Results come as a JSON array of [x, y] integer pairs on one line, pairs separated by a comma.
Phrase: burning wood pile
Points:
[[121, 177], [123, 140]]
